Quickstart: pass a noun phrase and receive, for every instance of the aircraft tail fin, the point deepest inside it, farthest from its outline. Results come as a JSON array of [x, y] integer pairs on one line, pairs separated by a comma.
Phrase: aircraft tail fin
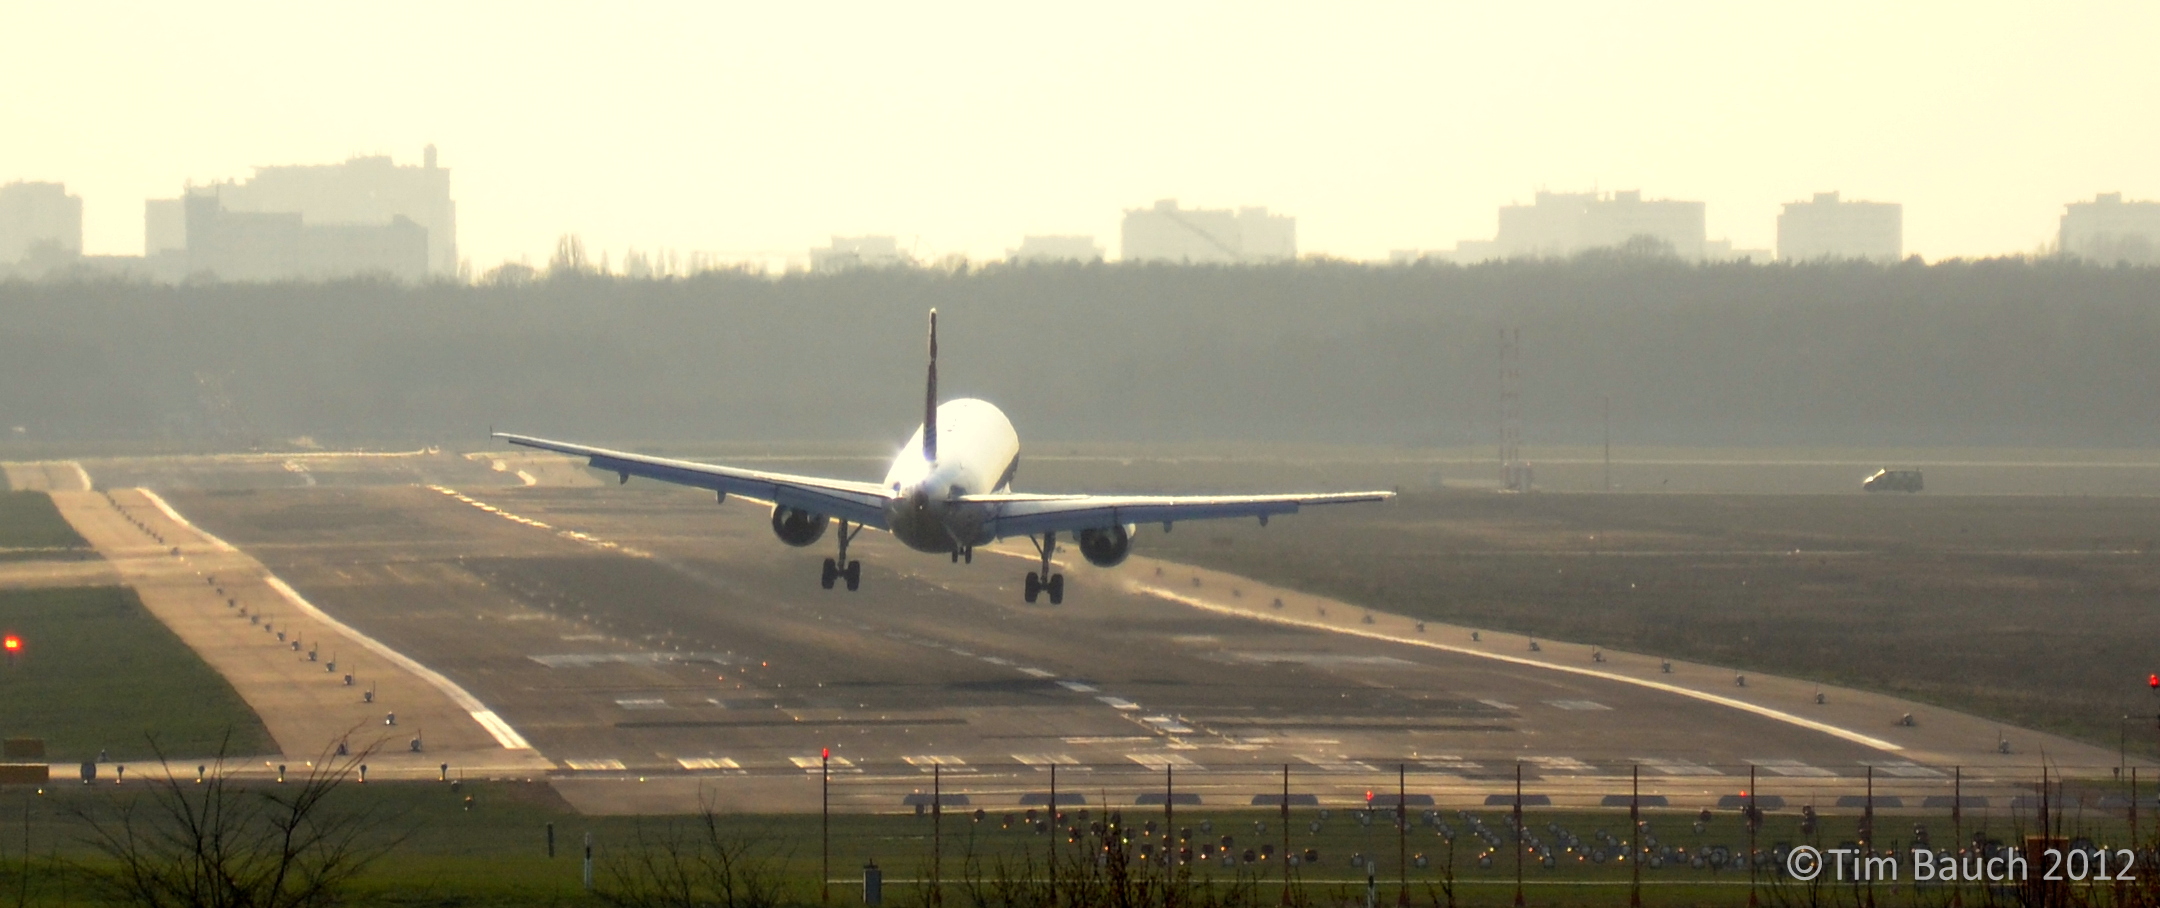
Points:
[[929, 423]]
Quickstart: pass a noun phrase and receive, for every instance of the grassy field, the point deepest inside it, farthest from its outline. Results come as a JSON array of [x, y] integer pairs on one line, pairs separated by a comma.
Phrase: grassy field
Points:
[[28, 520], [98, 672], [2030, 609], [494, 851]]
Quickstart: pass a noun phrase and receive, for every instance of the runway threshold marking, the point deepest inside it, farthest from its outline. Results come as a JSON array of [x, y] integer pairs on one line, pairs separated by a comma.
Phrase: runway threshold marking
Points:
[[1691, 693], [1794, 768], [711, 763], [1159, 762], [1672, 767], [497, 728]]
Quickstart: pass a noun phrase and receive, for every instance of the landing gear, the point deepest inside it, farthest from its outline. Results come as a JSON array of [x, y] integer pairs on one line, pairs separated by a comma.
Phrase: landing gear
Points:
[[964, 553], [1045, 582], [841, 568]]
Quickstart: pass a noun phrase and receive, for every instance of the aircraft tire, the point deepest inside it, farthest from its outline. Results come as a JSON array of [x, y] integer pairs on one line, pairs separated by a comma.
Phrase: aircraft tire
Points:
[[832, 572], [854, 575], [1056, 586], [1034, 587]]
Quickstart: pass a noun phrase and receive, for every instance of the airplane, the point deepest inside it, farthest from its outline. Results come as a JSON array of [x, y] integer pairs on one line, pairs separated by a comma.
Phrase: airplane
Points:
[[947, 492]]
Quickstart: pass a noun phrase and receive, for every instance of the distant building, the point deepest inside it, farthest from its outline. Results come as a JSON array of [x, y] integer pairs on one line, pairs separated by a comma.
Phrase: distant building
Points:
[[276, 246], [313, 221], [2110, 230], [1723, 251], [1561, 224], [39, 218], [848, 252], [1167, 233], [1827, 228], [1057, 249]]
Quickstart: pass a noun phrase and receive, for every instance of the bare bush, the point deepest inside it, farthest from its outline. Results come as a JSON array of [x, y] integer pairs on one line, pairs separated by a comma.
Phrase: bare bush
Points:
[[695, 864], [209, 840]]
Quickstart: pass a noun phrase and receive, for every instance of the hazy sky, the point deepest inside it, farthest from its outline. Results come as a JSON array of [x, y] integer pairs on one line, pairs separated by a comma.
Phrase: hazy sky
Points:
[[770, 126]]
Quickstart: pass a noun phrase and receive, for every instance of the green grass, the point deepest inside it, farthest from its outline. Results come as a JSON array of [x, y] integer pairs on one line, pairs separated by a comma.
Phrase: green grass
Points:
[[28, 520], [2019, 608], [99, 672], [495, 852]]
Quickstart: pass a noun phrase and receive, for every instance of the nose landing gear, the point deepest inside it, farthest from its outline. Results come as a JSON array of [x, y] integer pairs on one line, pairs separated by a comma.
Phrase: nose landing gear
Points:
[[842, 568], [1045, 582]]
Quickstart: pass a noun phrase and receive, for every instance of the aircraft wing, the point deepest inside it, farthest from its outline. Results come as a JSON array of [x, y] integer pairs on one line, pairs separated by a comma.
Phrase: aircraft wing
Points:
[[1027, 515], [858, 502]]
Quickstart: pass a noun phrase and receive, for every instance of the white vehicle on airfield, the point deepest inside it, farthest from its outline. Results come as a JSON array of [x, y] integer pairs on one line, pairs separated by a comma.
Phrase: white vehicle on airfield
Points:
[[948, 491]]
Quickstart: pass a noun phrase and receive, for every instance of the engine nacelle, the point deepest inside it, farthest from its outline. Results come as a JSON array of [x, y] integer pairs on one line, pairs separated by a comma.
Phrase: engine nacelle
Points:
[[798, 527], [1106, 547]]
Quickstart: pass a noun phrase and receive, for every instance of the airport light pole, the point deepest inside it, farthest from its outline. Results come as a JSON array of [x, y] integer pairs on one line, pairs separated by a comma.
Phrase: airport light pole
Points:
[[1518, 835], [937, 834], [1053, 838], [825, 826], [1286, 833], [1634, 816], [1402, 837]]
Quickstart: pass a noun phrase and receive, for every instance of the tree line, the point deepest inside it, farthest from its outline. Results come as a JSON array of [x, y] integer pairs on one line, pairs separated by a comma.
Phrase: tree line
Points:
[[1989, 352]]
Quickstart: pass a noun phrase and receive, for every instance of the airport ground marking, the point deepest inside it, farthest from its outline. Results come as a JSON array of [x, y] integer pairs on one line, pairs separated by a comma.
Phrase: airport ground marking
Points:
[[159, 502], [1705, 696], [500, 730]]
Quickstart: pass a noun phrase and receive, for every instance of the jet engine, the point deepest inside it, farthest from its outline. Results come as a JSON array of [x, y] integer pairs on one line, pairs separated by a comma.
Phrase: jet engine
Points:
[[1106, 547], [798, 527]]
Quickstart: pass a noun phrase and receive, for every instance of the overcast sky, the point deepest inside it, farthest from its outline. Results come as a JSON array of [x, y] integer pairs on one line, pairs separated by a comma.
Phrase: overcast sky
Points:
[[743, 128]]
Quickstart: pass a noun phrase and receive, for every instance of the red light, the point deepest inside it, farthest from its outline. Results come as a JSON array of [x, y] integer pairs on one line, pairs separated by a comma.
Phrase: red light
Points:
[[825, 754], [13, 644], [2152, 682]]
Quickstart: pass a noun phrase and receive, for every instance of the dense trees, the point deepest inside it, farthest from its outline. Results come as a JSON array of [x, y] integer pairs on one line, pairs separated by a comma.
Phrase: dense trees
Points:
[[2006, 351]]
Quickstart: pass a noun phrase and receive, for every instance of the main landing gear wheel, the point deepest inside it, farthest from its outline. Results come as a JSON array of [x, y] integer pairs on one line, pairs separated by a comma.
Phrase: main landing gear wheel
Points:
[[1036, 585], [834, 569]]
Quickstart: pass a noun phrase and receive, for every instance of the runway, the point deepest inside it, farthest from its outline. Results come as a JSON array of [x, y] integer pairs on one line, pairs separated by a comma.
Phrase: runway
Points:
[[660, 649]]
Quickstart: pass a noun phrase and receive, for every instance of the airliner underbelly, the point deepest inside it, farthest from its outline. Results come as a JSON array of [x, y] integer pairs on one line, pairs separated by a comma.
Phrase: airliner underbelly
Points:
[[977, 451]]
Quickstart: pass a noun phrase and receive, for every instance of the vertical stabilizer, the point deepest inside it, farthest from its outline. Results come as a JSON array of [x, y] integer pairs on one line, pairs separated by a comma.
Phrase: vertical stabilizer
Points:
[[929, 420]]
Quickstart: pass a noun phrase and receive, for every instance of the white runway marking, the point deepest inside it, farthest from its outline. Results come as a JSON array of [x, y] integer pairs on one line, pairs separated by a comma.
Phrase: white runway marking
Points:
[[1077, 687], [1045, 761], [1559, 764], [1336, 764], [494, 724], [595, 765], [810, 764], [1794, 768], [926, 762], [1037, 673], [643, 703], [1742, 705], [1583, 705], [1167, 724], [1118, 703], [710, 763], [1679, 767], [1904, 768], [1159, 762]]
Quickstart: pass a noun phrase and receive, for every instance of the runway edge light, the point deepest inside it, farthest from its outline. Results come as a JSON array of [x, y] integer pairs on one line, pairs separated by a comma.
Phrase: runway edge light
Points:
[[12, 644]]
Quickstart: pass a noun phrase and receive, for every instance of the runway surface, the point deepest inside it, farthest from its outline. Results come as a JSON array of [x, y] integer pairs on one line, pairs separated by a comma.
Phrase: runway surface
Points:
[[661, 649]]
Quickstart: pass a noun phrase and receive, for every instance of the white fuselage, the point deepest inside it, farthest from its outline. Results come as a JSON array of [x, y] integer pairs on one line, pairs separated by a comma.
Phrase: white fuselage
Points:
[[977, 453]]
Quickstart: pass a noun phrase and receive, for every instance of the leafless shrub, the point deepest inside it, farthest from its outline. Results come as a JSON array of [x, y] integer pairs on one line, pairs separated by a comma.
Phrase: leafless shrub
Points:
[[210, 840]]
